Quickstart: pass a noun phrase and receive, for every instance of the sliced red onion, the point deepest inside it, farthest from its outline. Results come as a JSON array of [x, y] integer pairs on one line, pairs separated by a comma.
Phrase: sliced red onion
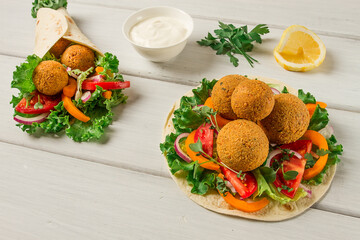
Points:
[[28, 121], [230, 186], [97, 78], [275, 152], [275, 91], [86, 96], [306, 190], [273, 144], [178, 149], [327, 131]]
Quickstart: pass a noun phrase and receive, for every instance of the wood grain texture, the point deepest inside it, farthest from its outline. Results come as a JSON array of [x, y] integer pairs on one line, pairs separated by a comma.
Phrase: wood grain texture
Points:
[[333, 82], [83, 200], [132, 142], [322, 16]]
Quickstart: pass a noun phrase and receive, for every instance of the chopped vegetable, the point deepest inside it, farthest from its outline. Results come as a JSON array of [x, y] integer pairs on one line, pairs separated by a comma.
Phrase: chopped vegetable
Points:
[[91, 85], [107, 94], [243, 205], [70, 89], [178, 149], [28, 121], [74, 111], [321, 143], [29, 106], [204, 162]]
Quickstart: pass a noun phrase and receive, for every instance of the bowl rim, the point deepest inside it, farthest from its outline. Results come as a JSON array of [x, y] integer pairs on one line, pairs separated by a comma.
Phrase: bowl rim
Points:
[[189, 32]]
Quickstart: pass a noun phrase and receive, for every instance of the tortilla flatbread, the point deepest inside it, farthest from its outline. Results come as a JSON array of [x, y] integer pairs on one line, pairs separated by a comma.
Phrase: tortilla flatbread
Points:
[[51, 25], [274, 211]]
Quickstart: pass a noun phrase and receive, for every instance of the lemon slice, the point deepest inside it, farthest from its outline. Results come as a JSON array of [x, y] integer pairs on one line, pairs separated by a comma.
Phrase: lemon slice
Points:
[[299, 49]]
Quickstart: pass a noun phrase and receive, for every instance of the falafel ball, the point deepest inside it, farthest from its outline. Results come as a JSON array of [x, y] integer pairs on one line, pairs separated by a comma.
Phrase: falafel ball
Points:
[[242, 145], [59, 47], [221, 95], [78, 57], [288, 121], [50, 77], [252, 100]]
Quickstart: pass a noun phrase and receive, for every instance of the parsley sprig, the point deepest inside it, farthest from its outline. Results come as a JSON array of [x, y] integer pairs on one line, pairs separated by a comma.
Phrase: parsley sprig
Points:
[[230, 40]]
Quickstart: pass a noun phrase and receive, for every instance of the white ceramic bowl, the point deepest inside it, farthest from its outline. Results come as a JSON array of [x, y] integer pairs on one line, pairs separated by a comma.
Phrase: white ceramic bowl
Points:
[[159, 54]]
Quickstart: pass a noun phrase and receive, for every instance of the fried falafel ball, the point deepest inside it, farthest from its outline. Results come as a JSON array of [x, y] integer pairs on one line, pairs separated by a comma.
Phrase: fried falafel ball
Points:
[[78, 57], [242, 145], [221, 95], [50, 77], [252, 100], [59, 47], [288, 121]]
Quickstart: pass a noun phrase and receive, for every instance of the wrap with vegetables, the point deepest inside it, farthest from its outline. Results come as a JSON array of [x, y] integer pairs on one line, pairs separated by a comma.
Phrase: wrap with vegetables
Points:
[[206, 185], [68, 85]]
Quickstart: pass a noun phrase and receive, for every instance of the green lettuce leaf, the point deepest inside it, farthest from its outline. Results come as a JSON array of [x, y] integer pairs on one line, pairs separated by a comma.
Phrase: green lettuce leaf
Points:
[[306, 98], [22, 76], [185, 118], [264, 188], [319, 119], [57, 120], [200, 179], [54, 4]]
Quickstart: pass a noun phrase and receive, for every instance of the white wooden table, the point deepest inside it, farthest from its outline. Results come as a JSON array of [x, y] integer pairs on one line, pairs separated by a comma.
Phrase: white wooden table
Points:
[[54, 188]]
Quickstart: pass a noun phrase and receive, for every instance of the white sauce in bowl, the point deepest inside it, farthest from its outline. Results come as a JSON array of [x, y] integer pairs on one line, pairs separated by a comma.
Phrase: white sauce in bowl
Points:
[[158, 32]]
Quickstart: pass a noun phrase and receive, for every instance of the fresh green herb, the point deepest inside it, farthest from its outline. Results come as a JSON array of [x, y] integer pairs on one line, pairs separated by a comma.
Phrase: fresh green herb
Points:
[[230, 40], [290, 175], [322, 152], [319, 119], [268, 173], [28, 97], [221, 186], [54, 4], [110, 63], [196, 147], [285, 90], [306, 98], [37, 105], [241, 175], [310, 161], [286, 188]]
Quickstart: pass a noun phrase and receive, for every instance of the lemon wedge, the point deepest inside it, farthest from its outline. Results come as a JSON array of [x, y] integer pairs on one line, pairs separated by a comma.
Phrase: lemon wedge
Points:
[[299, 49]]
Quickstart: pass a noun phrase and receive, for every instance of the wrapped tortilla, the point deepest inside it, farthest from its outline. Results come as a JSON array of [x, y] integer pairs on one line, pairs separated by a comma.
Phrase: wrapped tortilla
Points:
[[52, 25], [274, 211]]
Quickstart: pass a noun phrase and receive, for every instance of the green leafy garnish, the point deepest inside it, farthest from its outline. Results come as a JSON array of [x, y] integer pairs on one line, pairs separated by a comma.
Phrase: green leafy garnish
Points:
[[285, 90], [22, 76], [54, 4], [110, 63], [319, 119], [290, 175], [310, 161], [268, 173], [306, 98], [230, 40]]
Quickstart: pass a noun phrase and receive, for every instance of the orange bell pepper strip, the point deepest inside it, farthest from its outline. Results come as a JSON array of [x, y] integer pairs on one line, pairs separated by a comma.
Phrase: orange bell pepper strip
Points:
[[70, 89], [204, 162], [243, 205], [312, 106], [321, 142], [220, 120], [107, 94], [74, 111], [98, 70]]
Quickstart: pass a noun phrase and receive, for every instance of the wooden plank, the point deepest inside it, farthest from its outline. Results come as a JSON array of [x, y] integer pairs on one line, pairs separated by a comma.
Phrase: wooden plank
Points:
[[133, 139], [322, 16], [332, 82], [47, 196]]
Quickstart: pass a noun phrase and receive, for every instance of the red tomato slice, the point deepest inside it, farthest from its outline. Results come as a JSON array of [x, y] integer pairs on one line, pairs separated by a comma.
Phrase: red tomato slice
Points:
[[48, 102], [300, 146], [294, 164], [91, 85], [206, 135], [246, 187]]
